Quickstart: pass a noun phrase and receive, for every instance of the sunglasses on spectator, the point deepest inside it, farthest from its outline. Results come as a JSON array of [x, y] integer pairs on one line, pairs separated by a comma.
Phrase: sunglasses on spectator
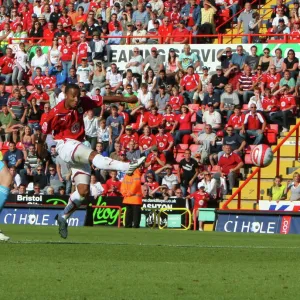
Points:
[[266, 52], [259, 69], [39, 170], [51, 170], [252, 106]]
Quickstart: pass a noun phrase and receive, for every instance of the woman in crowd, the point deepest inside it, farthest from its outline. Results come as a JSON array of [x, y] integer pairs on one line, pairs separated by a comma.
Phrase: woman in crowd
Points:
[[99, 76], [205, 80], [266, 60], [21, 65], [277, 190], [34, 114], [27, 138], [36, 32], [171, 66], [277, 61], [291, 63], [54, 53], [184, 124], [149, 79], [67, 54], [210, 185], [176, 100], [294, 187]]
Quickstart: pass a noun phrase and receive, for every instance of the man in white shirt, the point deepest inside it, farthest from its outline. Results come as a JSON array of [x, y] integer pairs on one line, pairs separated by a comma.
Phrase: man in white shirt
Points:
[[84, 73], [91, 127], [170, 179], [212, 117], [139, 33], [113, 78]]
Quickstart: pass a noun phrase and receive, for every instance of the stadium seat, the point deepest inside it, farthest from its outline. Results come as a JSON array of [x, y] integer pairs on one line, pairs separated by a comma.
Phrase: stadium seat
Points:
[[179, 157], [134, 126], [244, 108], [271, 133], [181, 148], [20, 146], [197, 128], [194, 148], [247, 158], [215, 169], [30, 88], [4, 147]]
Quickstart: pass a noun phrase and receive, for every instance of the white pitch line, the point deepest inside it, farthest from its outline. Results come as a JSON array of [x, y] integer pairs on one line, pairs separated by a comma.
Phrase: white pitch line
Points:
[[37, 242]]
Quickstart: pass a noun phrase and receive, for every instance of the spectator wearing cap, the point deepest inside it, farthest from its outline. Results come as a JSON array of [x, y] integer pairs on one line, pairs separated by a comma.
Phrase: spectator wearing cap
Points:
[[140, 15], [116, 9], [210, 97], [295, 32], [55, 15], [129, 33], [97, 49], [230, 164], [59, 73], [117, 33], [154, 60], [188, 58], [84, 73], [254, 26], [212, 117], [139, 34], [85, 4], [190, 84], [184, 124], [129, 136], [169, 179], [43, 21], [279, 5], [280, 16], [153, 33], [280, 29], [180, 34]]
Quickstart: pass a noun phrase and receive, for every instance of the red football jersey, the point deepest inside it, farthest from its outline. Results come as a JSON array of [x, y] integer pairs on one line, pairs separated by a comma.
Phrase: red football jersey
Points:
[[68, 123], [270, 80], [200, 199], [268, 102], [38, 80], [163, 141], [110, 184], [49, 81], [6, 63], [125, 139], [38, 97], [175, 18], [169, 120], [287, 102], [154, 163], [82, 51], [190, 82], [67, 51], [154, 120], [147, 142], [236, 121], [176, 102]]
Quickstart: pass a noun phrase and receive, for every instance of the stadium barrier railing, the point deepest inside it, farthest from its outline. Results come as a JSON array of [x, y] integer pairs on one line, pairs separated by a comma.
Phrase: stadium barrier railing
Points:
[[258, 169], [278, 38]]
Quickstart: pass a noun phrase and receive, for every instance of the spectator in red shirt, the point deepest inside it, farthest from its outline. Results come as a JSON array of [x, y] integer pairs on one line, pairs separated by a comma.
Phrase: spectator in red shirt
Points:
[[190, 84], [146, 141], [6, 66], [67, 54], [49, 32], [230, 164], [236, 120], [150, 183], [169, 118], [254, 125], [269, 103], [40, 96], [113, 185], [65, 20], [165, 30], [164, 140], [128, 136], [184, 122], [154, 119], [38, 79], [176, 101], [155, 160], [287, 104], [180, 35], [174, 15], [271, 80]]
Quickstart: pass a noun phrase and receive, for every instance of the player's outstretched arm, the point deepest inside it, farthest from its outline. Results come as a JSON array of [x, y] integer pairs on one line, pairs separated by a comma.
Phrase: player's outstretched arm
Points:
[[113, 99]]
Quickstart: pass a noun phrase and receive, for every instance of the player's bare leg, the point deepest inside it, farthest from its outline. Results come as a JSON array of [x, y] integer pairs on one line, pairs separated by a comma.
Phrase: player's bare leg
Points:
[[5, 182]]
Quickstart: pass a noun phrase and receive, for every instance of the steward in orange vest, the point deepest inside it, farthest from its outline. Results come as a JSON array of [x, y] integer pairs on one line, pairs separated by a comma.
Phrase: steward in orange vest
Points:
[[131, 189]]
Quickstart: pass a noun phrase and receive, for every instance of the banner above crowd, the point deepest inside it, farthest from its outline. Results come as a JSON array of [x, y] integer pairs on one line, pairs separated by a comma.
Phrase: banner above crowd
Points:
[[121, 54]]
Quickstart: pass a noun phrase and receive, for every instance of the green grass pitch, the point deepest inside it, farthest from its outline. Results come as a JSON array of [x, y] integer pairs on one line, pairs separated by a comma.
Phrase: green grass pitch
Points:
[[128, 264]]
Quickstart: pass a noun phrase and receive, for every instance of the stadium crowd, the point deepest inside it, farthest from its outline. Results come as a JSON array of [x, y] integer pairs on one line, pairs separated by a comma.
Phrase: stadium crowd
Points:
[[193, 123]]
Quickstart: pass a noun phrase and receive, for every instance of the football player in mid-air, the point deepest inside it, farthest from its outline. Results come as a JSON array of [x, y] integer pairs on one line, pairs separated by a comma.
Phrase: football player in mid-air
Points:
[[65, 123]]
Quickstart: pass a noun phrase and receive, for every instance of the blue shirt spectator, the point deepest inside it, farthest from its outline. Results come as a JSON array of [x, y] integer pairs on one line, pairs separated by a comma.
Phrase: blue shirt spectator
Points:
[[14, 157], [60, 75], [115, 41]]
